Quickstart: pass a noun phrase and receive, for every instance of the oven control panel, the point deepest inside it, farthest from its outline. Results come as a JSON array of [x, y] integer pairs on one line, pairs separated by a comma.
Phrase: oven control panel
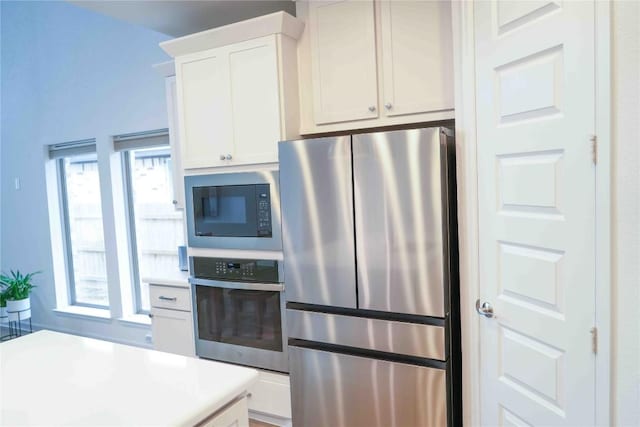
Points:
[[244, 270]]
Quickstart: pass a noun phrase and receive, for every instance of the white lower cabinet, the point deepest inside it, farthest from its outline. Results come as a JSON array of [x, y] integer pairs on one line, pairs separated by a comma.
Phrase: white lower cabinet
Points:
[[235, 415], [271, 395], [172, 320]]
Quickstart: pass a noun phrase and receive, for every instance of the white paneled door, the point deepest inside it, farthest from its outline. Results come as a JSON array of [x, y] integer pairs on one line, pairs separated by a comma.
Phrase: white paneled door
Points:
[[535, 121]]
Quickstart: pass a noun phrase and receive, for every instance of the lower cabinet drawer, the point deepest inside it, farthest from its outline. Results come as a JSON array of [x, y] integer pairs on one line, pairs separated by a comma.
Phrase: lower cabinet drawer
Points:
[[170, 297], [271, 395]]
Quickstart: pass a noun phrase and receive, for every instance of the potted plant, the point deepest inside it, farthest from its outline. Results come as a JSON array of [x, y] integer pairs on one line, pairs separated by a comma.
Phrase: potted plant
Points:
[[3, 305], [18, 288]]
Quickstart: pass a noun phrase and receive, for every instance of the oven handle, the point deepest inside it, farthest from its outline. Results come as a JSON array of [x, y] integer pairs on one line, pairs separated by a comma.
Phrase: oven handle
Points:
[[279, 287]]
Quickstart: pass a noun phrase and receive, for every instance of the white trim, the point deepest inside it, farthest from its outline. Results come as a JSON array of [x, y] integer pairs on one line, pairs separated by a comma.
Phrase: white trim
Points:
[[465, 116], [84, 312], [141, 320], [603, 299]]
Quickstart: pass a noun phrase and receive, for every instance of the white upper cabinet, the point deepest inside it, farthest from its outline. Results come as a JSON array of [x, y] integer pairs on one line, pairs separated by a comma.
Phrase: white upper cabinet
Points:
[[343, 58], [417, 63], [237, 91], [204, 109], [376, 63], [254, 100]]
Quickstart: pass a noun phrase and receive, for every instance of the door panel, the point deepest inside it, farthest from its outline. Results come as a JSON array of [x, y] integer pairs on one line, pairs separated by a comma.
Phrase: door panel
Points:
[[172, 331], [317, 212], [417, 66], [343, 60], [255, 100], [339, 390], [399, 228], [203, 88], [535, 114]]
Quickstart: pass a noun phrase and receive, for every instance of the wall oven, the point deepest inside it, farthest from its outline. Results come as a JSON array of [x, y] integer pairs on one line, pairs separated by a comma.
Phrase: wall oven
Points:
[[239, 306], [234, 211]]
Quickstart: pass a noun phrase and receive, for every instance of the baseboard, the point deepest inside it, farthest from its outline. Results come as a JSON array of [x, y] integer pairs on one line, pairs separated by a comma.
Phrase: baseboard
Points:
[[270, 419]]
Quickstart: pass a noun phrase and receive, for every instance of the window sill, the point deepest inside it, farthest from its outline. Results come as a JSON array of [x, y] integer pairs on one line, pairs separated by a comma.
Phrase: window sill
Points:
[[136, 320], [84, 312]]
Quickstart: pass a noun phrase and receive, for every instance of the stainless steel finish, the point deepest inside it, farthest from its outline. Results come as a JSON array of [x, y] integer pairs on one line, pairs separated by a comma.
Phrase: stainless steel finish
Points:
[[222, 157], [399, 227], [372, 108], [237, 285], [239, 178], [249, 356], [317, 207], [229, 157], [411, 339], [167, 298], [388, 106], [338, 390], [486, 309]]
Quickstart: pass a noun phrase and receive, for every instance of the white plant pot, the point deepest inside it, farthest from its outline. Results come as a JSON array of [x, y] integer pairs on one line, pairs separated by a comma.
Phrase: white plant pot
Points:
[[19, 309], [3, 315]]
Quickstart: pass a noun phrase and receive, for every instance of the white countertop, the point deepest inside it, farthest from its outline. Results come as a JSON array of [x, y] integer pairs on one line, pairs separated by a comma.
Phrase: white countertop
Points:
[[177, 278], [49, 378]]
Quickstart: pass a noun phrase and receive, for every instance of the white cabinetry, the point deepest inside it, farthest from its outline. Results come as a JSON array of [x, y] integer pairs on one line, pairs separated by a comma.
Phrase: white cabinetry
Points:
[[374, 63], [172, 319], [237, 91], [168, 71], [232, 416], [270, 395], [343, 59]]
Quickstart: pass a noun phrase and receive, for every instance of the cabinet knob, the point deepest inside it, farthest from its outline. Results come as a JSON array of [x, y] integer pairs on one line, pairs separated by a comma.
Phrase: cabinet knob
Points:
[[175, 202], [388, 106], [228, 157], [222, 157], [372, 108], [150, 316]]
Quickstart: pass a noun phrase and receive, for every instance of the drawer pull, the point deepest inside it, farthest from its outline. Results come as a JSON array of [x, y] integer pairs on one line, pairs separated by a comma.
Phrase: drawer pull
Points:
[[163, 298]]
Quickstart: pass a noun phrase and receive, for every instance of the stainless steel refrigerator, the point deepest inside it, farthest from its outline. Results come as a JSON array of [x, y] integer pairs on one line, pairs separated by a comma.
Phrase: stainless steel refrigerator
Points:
[[371, 279]]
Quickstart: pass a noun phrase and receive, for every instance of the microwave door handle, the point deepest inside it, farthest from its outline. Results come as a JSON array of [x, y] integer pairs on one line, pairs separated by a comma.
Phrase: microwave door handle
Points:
[[278, 287]]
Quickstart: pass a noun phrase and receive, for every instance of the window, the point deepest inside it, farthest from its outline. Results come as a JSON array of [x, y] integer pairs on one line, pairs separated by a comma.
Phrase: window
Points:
[[83, 229], [156, 228]]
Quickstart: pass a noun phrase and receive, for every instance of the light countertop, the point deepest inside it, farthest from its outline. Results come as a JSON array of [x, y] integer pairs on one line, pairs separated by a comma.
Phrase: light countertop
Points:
[[177, 278], [52, 379]]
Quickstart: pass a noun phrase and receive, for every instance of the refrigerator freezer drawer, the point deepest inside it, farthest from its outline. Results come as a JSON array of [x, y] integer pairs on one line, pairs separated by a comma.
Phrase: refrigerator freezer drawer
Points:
[[419, 340], [339, 390]]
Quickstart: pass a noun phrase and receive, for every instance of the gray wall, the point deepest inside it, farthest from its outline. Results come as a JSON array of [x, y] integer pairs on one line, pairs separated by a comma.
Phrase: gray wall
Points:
[[67, 74]]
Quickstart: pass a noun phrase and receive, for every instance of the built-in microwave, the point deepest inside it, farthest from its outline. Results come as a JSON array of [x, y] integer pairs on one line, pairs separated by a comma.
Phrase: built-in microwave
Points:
[[233, 210]]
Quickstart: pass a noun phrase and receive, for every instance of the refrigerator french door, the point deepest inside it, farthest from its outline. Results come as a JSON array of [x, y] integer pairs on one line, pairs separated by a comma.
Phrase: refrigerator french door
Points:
[[369, 239]]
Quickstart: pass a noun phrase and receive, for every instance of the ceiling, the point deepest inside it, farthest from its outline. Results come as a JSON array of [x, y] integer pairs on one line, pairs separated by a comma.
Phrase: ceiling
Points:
[[181, 17]]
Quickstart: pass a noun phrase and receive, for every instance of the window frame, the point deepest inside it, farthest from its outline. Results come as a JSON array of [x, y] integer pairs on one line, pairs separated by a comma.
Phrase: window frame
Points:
[[67, 244]]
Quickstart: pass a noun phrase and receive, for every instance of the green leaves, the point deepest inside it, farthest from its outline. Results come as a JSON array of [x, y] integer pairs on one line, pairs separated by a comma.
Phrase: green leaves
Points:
[[17, 286]]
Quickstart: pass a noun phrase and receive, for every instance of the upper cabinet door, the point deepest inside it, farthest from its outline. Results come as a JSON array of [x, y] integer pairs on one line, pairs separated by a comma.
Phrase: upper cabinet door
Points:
[[205, 108], [417, 63], [255, 103], [343, 57]]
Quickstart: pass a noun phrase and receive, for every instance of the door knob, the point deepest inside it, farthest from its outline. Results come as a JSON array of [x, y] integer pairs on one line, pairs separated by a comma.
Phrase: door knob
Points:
[[228, 157], [486, 309], [388, 106], [222, 157], [372, 108]]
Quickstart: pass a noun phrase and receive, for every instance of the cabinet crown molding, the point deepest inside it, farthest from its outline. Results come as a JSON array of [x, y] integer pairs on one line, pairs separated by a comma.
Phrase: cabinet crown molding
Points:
[[273, 23]]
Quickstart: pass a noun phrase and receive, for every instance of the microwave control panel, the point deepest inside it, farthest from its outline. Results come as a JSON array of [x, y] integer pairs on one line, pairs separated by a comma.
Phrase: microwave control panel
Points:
[[263, 210], [245, 270]]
